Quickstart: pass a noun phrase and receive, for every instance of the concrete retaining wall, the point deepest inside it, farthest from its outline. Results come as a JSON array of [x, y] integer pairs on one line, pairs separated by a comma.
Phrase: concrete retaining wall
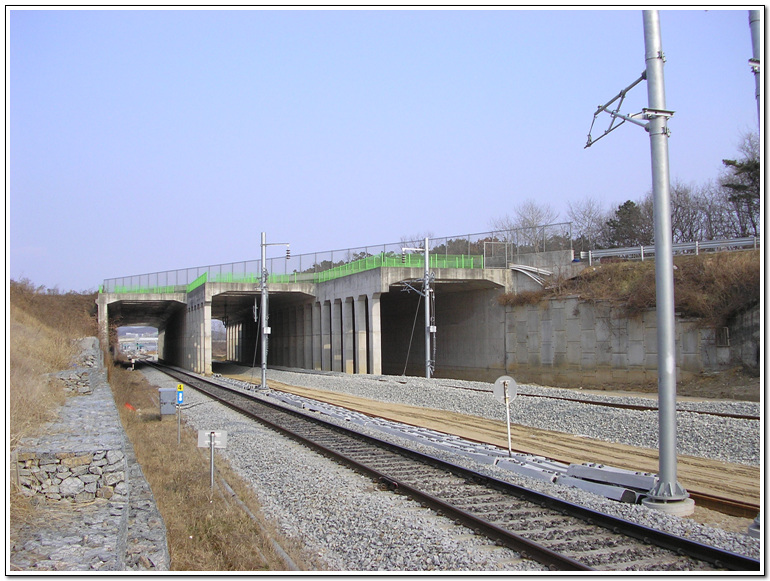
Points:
[[569, 342], [745, 339]]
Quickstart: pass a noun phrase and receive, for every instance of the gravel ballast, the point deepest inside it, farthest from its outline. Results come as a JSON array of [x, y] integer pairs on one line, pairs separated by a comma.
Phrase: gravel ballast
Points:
[[353, 526]]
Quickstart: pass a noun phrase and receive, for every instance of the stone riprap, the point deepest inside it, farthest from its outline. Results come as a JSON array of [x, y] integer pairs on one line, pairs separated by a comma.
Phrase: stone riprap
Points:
[[94, 510]]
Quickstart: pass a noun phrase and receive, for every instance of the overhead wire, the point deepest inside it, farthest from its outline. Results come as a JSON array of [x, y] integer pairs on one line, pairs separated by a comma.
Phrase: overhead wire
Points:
[[411, 337]]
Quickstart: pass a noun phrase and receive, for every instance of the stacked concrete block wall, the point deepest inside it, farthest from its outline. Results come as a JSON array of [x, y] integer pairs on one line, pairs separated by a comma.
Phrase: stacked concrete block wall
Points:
[[572, 342], [744, 339]]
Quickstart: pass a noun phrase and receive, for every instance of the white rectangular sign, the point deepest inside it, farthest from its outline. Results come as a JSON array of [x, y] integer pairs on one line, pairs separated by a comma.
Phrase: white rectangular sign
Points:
[[204, 439]]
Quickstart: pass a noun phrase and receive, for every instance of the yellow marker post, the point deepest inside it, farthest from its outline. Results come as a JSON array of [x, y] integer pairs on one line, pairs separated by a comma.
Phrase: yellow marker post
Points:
[[179, 402]]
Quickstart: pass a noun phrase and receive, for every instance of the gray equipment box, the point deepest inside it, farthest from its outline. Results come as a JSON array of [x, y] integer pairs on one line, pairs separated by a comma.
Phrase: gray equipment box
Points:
[[167, 397]]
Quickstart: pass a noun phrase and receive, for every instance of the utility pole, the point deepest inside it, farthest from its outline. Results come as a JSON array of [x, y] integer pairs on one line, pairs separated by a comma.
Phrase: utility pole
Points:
[[430, 329], [264, 328], [667, 495], [755, 17], [755, 21]]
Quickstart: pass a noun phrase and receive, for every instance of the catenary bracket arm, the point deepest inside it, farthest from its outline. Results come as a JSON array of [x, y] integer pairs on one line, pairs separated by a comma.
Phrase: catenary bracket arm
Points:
[[614, 113]]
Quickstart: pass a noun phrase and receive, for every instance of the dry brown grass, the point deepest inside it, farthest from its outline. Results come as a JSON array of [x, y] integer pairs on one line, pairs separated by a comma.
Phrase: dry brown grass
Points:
[[710, 287], [41, 341], [522, 298], [206, 532], [42, 332]]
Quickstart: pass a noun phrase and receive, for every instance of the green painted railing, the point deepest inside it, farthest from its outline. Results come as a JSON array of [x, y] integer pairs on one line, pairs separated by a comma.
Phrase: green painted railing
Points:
[[391, 260], [494, 249], [197, 282], [356, 266], [383, 259]]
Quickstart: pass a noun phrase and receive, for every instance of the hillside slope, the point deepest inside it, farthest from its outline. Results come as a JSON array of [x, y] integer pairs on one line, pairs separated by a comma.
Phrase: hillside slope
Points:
[[43, 328]]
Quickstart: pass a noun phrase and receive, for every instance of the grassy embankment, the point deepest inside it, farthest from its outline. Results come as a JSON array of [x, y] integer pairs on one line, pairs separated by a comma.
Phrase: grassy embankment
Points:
[[206, 532], [712, 288]]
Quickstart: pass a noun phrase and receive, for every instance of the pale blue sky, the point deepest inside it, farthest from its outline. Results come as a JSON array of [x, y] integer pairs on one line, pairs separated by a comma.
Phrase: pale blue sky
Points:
[[143, 141]]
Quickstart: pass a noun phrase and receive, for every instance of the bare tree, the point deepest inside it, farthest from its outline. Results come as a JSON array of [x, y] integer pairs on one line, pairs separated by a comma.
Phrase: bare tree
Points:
[[588, 222], [686, 214], [717, 215], [526, 227], [416, 240]]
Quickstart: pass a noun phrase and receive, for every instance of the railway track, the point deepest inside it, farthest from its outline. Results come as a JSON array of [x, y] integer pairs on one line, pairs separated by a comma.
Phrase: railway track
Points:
[[558, 534]]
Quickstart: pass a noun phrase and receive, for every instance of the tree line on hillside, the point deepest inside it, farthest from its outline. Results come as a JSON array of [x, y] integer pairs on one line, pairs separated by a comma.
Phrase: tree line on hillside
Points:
[[726, 208]]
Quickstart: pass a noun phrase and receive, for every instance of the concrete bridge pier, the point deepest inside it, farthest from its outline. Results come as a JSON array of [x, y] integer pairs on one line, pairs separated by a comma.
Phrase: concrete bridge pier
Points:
[[197, 354], [374, 358]]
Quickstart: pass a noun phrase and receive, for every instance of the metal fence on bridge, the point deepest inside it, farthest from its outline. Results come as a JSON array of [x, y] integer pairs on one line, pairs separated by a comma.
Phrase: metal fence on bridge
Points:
[[494, 249]]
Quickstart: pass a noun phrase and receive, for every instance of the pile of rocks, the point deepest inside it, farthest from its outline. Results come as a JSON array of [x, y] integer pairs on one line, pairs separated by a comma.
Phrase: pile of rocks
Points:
[[73, 476], [94, 510], [76, 382]]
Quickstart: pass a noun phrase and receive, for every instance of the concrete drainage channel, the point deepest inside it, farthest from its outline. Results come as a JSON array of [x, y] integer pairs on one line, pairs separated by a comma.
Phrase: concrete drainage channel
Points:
[[612, 483]]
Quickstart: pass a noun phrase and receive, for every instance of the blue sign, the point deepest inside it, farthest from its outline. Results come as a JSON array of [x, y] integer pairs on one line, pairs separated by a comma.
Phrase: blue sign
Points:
[[179, 393]]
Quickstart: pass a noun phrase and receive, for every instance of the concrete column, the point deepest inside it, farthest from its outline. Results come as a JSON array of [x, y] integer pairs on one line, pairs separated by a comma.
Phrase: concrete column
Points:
[[190, 343], [230, 341], [207, 350], [104, 322], [307, 336], [362, 364], [326, 336], [299, 331], [317, 362], [290, 327], [228, 331], [199, 332], [241, 342], [336, 330], [348, 351], [375, 335]]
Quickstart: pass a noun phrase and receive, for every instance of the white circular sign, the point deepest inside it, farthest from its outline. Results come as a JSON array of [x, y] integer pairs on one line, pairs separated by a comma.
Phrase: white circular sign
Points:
[[499, 388]]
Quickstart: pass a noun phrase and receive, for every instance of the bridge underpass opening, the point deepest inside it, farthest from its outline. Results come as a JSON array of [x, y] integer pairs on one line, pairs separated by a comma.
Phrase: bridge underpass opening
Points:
[[470, 331], [335, 333], [166, 316], [235, 311], [137, 342]]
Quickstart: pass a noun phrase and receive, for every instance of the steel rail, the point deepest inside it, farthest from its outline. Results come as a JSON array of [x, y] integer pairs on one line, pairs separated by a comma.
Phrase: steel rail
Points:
[[717, 557]]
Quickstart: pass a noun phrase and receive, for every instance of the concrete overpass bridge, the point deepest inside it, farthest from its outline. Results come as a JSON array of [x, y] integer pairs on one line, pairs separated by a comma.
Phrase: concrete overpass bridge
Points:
[[350, 311]]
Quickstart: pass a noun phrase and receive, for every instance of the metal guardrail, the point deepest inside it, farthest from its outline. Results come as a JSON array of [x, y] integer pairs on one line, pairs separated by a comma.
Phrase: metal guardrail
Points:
[[679, 248], [492, 249]]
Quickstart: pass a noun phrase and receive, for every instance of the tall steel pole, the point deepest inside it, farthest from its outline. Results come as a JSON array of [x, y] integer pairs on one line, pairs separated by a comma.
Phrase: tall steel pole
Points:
[[426, 286], [263, 310], [755, 17], [667, 490]]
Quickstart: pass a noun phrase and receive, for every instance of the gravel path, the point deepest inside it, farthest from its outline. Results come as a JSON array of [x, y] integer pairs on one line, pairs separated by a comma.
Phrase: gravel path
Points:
[[725, 439], [355, 527]]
